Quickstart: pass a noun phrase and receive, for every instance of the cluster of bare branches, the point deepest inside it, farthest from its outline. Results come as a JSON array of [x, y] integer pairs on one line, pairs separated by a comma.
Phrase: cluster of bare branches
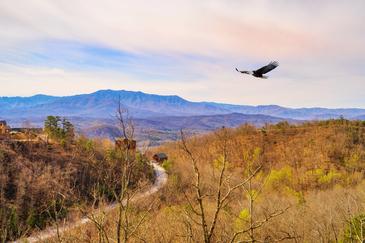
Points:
[[127, 224], [224, 189], [125, 121]]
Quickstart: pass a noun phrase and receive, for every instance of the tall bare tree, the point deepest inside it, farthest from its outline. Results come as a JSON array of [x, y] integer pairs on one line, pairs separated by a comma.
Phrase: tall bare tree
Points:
[[125, 121], [126, 226], [207, 220], [253, 189], [222, 192]]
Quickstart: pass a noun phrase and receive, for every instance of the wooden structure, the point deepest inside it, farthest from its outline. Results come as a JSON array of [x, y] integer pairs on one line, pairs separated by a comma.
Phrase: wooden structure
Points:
[[126, 144], [20, 134], [160, 157], [4, 129]]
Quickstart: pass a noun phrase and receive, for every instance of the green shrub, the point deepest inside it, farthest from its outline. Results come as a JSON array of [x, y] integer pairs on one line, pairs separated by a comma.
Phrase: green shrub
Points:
[[242, 219], [355, 229], [299, 196], [323, 178], [329, 178], [280, 178], [167, 164]]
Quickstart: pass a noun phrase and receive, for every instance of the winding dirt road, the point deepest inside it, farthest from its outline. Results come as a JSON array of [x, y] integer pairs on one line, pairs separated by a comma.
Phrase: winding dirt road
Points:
[[161, 179]]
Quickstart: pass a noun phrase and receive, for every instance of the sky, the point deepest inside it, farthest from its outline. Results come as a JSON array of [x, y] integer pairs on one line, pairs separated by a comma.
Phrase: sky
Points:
[[188, 48]]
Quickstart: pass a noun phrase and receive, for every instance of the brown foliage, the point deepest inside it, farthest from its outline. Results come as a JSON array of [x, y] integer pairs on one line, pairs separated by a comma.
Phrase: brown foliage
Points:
[[39, 183]]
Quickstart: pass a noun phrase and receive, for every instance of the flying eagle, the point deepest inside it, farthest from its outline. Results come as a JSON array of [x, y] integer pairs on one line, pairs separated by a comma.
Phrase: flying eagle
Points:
[[259, 72]]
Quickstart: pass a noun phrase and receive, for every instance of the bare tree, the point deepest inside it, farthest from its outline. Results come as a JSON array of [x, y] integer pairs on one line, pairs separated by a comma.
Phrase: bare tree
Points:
[[27, 125], [222, 193], [253, 189], [122, 185], [126, 226], [224, 188], [125, 121], [56, 211], [97, 217], [60, 195]]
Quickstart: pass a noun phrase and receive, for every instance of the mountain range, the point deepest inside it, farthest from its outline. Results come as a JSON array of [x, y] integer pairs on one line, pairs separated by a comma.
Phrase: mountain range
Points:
[[157, 117], [103, 103]]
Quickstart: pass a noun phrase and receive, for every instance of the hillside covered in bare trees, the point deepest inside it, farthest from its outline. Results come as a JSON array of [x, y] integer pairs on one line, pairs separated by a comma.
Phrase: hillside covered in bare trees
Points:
[[278, 183], [281, 183], [41, 184]]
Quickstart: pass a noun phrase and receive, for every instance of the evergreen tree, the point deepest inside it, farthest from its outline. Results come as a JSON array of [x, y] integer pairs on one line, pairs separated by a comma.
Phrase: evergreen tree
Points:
[[59, 129]]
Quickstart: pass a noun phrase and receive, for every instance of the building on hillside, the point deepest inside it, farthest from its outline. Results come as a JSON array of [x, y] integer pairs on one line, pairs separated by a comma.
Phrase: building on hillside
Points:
[[30, 134], [19, 134], [33, 130], [4, 128], [126, 144], [160, 157]]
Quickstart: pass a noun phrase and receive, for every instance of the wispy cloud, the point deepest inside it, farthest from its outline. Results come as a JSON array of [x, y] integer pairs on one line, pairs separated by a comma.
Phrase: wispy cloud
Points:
[[187, 47]]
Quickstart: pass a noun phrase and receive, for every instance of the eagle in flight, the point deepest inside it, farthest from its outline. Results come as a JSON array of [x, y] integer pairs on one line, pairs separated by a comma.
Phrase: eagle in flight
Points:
[[259, 72]]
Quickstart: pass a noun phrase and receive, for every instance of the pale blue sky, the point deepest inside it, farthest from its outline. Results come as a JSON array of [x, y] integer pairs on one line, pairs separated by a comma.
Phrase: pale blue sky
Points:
[[189, 48]]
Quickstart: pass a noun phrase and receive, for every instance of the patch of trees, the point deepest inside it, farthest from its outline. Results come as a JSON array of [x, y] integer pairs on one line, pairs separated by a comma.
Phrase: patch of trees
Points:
[[313, 172], [282, 182], [234, 185], [41, 184], [59, 129]]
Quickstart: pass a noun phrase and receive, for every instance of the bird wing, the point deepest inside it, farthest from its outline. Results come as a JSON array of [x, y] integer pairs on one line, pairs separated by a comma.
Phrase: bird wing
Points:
[[267, 68], [241, 71]]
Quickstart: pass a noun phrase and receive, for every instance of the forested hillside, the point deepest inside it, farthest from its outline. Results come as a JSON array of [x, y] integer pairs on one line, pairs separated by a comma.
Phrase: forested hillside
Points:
[[290, 183], [43, 183], [301, 183], [279, 183]]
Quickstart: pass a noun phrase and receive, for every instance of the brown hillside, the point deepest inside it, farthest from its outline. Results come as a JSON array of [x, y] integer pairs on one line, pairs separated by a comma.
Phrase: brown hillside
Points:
[[37, 180]]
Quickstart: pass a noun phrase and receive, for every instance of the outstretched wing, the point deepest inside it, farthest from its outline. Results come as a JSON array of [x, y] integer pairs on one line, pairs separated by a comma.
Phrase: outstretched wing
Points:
[[246, 72], [267, 68]]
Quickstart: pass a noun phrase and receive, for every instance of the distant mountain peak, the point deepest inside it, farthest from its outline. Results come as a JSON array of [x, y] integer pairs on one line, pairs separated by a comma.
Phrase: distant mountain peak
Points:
[[103, 103]]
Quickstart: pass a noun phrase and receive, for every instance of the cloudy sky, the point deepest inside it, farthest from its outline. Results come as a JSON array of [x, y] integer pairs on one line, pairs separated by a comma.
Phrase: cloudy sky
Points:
[[188, 47]]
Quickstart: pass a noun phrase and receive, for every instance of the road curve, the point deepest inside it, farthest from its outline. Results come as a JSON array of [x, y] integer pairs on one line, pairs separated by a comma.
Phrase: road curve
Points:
[[161, 179]]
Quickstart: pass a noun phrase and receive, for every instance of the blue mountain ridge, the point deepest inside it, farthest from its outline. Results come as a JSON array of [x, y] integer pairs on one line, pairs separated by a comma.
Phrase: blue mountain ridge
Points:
[[103, 104]]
